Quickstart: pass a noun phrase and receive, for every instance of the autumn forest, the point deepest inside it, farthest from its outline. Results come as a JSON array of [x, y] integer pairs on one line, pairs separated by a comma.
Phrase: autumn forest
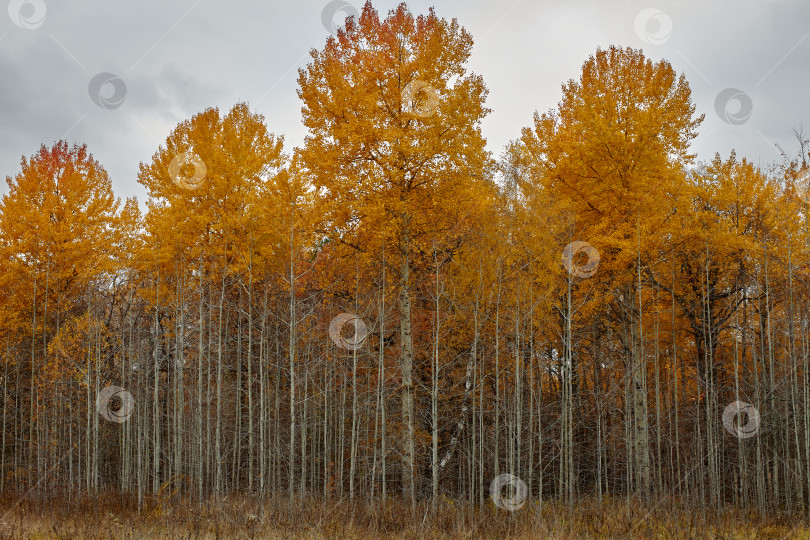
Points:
[[391, 313]]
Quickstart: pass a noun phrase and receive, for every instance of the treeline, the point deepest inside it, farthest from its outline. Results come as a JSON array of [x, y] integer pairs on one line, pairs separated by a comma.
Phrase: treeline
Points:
[[389, 311]]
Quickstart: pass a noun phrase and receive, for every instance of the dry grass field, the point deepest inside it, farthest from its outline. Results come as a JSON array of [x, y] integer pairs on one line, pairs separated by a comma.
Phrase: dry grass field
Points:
[[111, 517]]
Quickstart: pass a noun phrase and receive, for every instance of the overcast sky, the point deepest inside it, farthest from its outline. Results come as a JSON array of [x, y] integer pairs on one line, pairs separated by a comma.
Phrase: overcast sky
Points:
[[747, 61]]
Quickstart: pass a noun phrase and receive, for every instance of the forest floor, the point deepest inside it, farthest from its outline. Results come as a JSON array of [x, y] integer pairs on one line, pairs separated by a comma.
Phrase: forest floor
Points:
[[111, 517]]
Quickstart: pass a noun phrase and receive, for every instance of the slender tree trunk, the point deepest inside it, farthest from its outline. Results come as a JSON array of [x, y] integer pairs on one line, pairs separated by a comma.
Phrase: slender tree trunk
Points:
[[291, 366], [434, 395], [355, 412], [641, 438], [250, 366], [218, 489], [406, 366], [379, 416]]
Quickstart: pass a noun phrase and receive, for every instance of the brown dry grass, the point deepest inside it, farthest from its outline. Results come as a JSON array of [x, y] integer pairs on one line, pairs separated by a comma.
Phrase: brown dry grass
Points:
[[112, 516]]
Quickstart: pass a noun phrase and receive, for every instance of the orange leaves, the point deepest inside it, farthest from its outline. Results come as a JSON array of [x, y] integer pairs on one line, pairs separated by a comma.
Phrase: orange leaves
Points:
[[62, 197], [72, 348], [60, 222], [615, 151], [395, 150], [212, 184]]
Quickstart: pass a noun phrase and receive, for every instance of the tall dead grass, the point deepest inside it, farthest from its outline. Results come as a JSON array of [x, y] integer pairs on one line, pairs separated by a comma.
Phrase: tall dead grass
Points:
[[115, 516]]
